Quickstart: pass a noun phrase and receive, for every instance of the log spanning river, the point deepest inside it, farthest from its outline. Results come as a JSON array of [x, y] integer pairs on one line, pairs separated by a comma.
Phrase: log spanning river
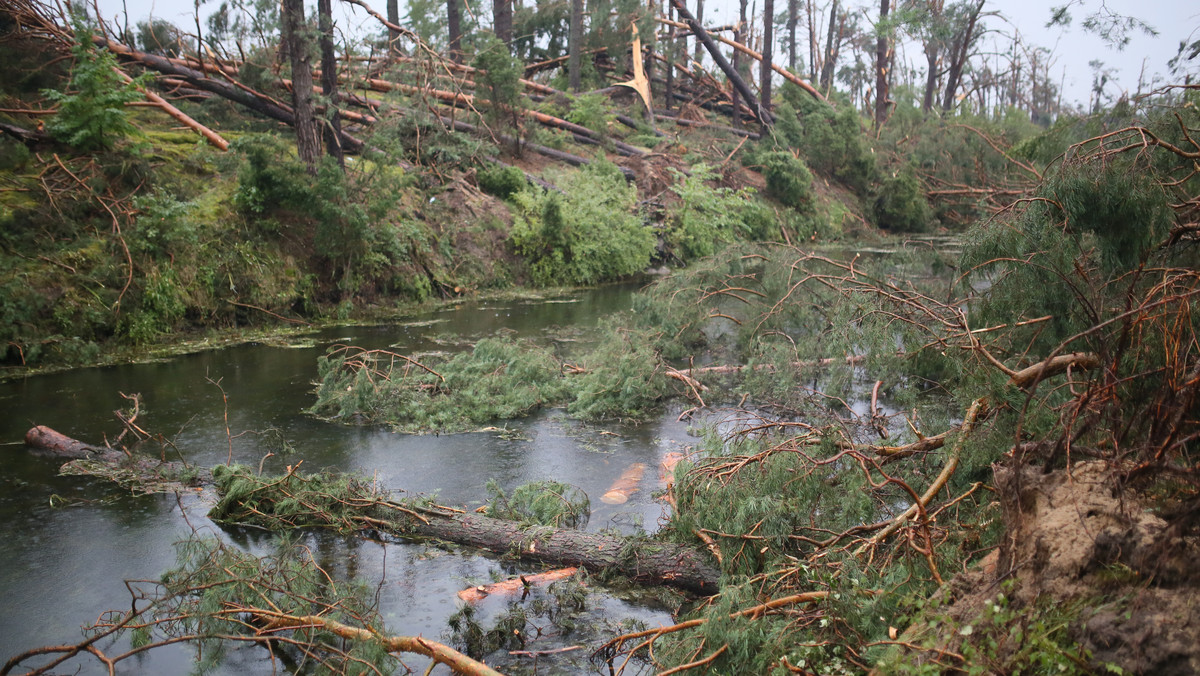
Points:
[[69, 543]]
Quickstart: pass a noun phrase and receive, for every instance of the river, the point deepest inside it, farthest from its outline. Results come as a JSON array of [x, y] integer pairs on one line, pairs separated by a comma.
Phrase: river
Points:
[[70, 542]]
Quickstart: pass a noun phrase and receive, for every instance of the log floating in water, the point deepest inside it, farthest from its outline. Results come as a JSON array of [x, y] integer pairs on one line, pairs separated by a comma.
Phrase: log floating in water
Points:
[[517, 584], [625, 485]]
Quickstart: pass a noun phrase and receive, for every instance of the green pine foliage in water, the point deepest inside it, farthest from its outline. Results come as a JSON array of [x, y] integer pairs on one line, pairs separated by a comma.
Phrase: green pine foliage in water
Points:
[[540, 503]]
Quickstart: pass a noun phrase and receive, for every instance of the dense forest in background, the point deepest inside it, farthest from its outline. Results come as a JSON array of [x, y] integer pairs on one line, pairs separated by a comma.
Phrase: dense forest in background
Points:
[[260, 169]]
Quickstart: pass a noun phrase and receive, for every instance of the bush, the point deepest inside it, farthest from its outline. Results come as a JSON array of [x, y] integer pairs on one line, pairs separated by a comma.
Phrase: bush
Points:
[[788, 180], [587, 236], [707, 218], [92, 115], [502, 182], [901, 204]]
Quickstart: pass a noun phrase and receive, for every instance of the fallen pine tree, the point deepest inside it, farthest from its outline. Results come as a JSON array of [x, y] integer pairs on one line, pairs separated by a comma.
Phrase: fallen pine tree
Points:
[[349, 504]]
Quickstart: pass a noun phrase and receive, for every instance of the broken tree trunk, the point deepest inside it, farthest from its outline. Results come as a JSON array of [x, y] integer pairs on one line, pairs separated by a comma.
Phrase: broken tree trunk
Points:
[[639, 559], [743, 89]]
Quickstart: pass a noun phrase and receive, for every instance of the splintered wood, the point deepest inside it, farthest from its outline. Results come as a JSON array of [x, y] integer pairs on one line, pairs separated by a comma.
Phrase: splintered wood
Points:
[[515, 585], [625, 485]]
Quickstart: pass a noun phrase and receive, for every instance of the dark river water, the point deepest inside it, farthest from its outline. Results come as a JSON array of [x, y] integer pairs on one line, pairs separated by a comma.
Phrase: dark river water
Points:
[[70, 542]]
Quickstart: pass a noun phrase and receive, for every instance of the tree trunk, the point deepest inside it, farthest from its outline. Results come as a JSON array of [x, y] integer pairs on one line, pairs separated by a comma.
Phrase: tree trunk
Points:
[[502, 18], [329, 73], [652, 562], [737, 81], [738, 36], [393, 17], [931, 58], [830, 51], [699, 47], [768, 54], [672, 54], [454, 30], [959, 52], [812, 42], [308, 128], [882, 65], [792, 20], [575, 46]]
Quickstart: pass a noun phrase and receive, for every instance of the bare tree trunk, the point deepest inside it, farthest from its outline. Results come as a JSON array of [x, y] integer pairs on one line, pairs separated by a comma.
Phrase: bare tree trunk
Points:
[[882, 65], [933, 47], [575, 45], [329, 73], [768, 52], [738, 36], [792, 20], [393, 17], [672, 54], [699, 48], [959, 52], [812, 42], [764, 116], [308, 129], [502, 18], [931, 57], [830, 50], [454, 30]]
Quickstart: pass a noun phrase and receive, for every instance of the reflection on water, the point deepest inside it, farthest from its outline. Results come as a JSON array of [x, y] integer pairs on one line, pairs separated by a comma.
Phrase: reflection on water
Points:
[[70, 542]]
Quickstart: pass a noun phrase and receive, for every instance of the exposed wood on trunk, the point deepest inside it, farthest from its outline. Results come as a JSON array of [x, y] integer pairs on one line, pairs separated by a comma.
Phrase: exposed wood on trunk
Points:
[[214, 139], [723, 63], [1027, 377], [515, 585], [439, 653], [235, 92], [640, 560], [626, 485]]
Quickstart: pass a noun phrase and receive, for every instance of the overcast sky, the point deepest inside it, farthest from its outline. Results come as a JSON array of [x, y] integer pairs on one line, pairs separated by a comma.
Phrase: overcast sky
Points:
[[1072, 47]]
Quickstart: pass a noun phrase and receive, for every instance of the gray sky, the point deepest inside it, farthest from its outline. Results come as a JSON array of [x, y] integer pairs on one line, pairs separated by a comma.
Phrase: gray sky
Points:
[[1072, 47]]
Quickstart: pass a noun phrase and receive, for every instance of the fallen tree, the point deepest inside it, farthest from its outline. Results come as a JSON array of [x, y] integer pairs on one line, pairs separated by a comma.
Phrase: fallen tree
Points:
[[325, 500]]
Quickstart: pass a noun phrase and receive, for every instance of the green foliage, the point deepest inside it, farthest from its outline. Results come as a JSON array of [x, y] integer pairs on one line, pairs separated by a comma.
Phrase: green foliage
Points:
[[193, 599], [502, 182], [788, 180], [502, 74], [707, 218], [498, 379], [91, 113], [520, 621], [900, 205], [588, 235], [832, 141], [592, 110], [541, 503], [1088, 224], [623, 381]]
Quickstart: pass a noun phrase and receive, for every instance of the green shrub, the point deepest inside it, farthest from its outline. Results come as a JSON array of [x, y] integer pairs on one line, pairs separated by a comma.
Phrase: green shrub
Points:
[[91, 114], [588, 235], [502, 182], [788, 180], [901, 205], [706, 218]]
